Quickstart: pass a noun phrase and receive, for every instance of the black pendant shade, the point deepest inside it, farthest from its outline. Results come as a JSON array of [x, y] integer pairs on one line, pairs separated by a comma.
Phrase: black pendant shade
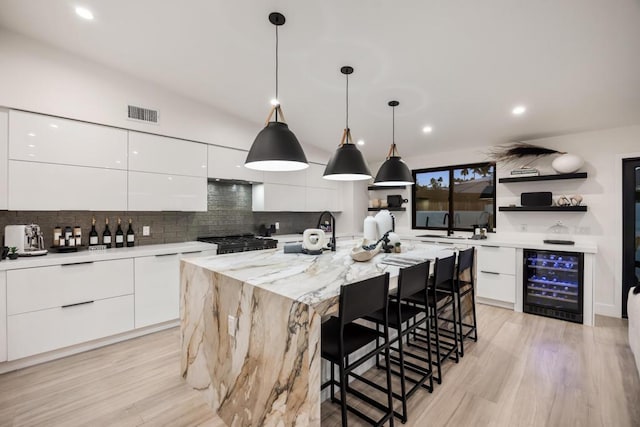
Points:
[[347, 163], [276, 148], [393, 171]]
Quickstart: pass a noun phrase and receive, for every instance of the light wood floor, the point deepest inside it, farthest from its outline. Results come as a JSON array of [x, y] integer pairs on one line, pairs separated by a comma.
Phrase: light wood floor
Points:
[[524, 371]]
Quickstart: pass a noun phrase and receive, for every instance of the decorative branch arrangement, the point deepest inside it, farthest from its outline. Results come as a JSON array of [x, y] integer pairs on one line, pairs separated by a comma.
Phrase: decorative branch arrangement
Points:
[[513, 152]]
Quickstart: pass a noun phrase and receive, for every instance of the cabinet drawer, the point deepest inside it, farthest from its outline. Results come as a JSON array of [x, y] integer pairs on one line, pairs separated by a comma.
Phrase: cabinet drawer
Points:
[[500, 287], [45, 330], [497, 259], [3, 316], [58, 285], [49, 187], [40, 138], [160, 154]]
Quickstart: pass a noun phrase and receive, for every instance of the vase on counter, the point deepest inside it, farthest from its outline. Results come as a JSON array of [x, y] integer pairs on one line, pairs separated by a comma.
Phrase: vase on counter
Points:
[[567, 163]]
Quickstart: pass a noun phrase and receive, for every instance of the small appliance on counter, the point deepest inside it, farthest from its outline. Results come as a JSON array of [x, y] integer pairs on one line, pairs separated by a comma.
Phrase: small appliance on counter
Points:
[[27, 239]]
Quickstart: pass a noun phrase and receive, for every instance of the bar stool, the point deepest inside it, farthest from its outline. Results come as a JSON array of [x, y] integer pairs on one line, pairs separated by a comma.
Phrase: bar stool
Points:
[[341, 337], [411, 280], [464, 286], [440, 297]]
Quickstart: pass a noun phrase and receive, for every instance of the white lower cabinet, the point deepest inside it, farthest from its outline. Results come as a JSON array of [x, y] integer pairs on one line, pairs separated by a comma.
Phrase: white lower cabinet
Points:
[[62, 305], [160, 192], [3, 316], [45, 330], [157, 282], [496, 267], [43, 186]]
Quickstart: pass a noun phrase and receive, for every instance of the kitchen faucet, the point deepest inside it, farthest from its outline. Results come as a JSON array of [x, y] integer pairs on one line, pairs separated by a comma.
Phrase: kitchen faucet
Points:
[[332, 243]]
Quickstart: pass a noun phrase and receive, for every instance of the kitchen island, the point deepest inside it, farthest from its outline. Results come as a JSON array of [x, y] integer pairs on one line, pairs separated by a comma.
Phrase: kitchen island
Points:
[[250, 326]]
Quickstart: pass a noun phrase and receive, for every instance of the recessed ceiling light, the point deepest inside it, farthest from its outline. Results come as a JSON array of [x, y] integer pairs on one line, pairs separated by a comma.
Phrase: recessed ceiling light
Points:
[[361, 142], [518, 110], [135, 152], [31, 134], [85, 13], [31, 145], [53, 125], [275, 102], [217, 179], [427, 129]]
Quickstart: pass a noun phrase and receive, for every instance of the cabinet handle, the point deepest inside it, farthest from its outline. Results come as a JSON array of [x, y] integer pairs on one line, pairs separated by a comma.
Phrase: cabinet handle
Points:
[[166, 254], [78, 303], [192, 252], [490, 246], [77, 263], [489, 272]]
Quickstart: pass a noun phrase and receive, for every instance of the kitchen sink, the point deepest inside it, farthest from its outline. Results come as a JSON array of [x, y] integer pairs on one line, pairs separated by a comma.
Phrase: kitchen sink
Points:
[[440, 236]]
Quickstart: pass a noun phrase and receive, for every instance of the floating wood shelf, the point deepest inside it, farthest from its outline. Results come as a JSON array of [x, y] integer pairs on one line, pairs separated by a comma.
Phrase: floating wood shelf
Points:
[[387, 187], [577, 175], [389, 209], [542, 208]]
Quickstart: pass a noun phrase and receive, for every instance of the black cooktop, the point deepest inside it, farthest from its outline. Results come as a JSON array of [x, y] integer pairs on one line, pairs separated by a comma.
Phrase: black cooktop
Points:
[[239, 243]]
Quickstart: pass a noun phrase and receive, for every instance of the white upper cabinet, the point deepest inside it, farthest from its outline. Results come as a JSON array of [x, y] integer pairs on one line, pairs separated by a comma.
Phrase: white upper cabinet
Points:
[[49, 187], [315, 179], [162, 192], [278, 198], [160, 154], [227, 163], [4, 165], [287, 178], [47, 139]]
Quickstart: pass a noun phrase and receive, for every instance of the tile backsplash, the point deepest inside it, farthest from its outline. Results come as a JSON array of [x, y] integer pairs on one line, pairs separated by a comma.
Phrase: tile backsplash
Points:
[[229, 212]]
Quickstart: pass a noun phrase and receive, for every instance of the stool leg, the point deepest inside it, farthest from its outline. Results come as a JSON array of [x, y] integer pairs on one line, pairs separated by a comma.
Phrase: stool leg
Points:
[[475, 323], [343, 393], [387, 358], [437, 331], [455, 328], [460, 324], [403, 387]]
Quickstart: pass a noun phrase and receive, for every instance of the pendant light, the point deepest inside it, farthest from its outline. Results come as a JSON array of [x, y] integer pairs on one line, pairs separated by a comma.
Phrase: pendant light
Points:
[[347, 163], [276, 148], [393, 171]]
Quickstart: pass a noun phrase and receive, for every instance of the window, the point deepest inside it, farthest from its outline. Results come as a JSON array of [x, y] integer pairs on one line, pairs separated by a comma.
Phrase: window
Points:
[[458, 198]]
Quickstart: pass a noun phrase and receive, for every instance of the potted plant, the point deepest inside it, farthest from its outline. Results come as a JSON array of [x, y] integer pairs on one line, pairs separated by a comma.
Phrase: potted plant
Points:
[[398, 248], [13, 252]]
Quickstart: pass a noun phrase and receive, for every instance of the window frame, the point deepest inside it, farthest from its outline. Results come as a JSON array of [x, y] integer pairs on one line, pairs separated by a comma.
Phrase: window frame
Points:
[[450, 218]]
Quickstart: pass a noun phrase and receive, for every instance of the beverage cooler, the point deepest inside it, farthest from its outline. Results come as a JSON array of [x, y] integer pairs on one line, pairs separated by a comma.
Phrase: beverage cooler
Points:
[[553, 284]]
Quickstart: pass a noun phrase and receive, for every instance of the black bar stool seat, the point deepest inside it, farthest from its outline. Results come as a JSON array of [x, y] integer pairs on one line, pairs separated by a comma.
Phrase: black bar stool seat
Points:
[[355, 337]]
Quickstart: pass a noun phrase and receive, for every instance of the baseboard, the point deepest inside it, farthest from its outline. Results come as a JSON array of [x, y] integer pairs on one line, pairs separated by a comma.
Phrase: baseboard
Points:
[[86, 346], [609, 310], [496, 303]]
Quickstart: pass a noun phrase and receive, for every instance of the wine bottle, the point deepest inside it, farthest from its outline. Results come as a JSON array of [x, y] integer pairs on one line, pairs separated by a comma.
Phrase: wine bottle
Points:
[[131, 237], [106, 234], [119, 235], [93, 234]]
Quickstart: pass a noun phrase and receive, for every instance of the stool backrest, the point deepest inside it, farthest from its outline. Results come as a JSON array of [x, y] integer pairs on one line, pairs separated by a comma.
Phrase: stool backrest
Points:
[[465, 262], [364, 297], [444, 273], [413, 279]]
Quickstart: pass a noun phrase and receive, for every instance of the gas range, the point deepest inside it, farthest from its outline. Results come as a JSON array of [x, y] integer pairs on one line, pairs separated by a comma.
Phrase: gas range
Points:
[[239, 243]]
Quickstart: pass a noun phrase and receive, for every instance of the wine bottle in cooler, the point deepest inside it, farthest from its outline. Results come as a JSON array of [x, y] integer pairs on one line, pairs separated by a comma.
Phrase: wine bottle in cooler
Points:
[[106, 234], [119, 235], [93, 234], [131, 237]]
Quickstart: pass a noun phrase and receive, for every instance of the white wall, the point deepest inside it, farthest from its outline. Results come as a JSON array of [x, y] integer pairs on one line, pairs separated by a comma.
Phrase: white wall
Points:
[[39, 78], [602, 224]]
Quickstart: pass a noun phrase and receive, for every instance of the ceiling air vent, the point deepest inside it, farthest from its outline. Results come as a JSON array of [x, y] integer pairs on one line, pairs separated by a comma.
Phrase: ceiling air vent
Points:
[[143, 114]]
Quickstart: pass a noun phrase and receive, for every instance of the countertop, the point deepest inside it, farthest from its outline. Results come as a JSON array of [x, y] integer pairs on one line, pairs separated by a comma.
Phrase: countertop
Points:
[[311, 279], [104, 255]]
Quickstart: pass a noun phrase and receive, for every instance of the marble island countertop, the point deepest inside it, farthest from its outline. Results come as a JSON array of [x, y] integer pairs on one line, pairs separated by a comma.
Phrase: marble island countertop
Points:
[[311, 279]]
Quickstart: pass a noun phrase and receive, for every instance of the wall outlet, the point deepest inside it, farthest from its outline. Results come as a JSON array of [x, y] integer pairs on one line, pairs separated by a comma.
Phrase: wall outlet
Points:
[[277, 226], [231, 326], [523, 227], [146, 230]]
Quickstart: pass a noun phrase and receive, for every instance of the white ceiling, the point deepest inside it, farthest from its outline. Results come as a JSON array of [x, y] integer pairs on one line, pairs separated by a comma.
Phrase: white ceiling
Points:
[[459, 66]]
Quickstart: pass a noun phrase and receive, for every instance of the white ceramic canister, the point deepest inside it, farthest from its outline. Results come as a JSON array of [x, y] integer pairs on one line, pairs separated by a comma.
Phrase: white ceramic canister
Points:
[[370, 229], [385, 221]]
